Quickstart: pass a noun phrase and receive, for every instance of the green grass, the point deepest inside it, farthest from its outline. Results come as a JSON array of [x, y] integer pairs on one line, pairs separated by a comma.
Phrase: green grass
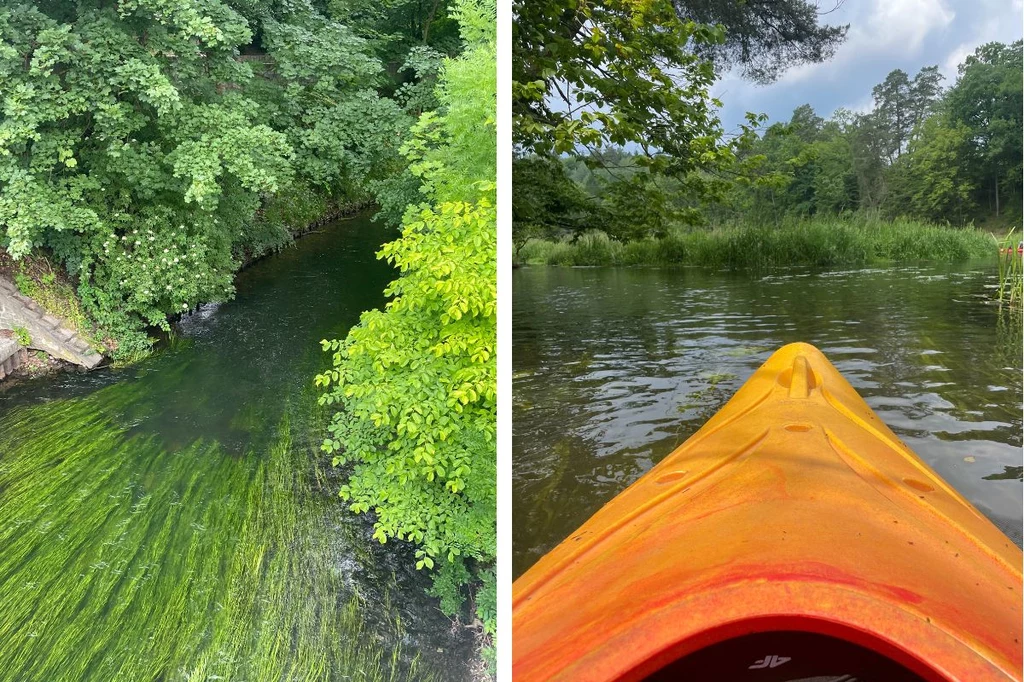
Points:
[[54, 294], [125, 559], [22, 336], [1011, 273], [825, 242]]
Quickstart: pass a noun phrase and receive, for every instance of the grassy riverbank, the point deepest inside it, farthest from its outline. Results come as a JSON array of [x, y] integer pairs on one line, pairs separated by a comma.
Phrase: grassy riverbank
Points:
[[825, 242], [282, 219]]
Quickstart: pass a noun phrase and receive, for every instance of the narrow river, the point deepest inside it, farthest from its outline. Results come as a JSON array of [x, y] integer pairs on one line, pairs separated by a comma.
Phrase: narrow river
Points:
[[615, 367], [176, 521]]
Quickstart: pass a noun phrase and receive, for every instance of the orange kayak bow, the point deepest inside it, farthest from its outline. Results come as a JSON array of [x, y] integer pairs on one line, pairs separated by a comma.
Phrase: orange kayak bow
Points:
[[793, 537]]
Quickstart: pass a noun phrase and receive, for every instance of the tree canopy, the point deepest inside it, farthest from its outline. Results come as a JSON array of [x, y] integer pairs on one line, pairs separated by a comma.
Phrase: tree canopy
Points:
[[763, 38], [146, 145], [950, 155], [588, 77], [986, 101], [923, 151], [415, 384]]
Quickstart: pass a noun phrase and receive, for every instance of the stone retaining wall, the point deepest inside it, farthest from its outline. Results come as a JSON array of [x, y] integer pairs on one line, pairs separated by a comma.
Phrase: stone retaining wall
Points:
[[48, 333], [12, 356]]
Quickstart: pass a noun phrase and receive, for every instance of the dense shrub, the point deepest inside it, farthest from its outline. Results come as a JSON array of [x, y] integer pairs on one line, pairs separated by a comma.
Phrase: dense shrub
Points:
[[415, 384], [137, 148]]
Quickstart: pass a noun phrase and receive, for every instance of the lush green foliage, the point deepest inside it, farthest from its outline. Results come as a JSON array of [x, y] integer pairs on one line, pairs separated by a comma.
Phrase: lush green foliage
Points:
[[817, 242], [415, 384], [22, 336], [987, 101], [923, 153], [610, 73], [588, 78], [37, 279], [144, 144], [596, 75], [590, 74], [948, 156], [546, 201], [396, 28]]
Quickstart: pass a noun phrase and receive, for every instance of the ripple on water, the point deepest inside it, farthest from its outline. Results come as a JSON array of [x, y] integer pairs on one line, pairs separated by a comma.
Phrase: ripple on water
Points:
[[619, 366]]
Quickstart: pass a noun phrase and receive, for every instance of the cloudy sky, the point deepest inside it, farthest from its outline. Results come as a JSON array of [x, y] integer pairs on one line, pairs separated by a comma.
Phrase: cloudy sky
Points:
[[884, 35]]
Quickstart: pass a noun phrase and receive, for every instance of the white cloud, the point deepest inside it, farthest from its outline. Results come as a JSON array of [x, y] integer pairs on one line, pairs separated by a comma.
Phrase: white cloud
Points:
[[883, 35], [995, 26], [883, 27], [800, 72], [896, 28], [864, 105], [949, 66], [903, 24]]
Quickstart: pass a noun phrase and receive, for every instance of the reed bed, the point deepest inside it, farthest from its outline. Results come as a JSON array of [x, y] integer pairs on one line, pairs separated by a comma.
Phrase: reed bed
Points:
[[825, 242], [1010, 292]]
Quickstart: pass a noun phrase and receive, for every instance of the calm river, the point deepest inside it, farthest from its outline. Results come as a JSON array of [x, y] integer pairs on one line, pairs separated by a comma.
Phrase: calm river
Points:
[[615, 367], [176, 521]]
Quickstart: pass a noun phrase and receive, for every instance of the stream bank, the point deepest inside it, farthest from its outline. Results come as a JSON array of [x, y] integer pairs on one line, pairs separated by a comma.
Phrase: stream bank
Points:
[[175, 520]]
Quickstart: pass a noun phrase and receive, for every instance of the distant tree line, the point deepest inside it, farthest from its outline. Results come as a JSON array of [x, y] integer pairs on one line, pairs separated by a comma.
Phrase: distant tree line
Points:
[[946, 155], [615, 128]]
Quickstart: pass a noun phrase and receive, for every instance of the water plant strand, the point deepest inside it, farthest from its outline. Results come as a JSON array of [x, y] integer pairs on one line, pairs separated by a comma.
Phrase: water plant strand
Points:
[[125, 559]]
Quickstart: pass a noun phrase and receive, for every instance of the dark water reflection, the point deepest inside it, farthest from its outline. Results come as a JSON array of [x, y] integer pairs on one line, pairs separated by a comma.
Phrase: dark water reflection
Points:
[[615, 367]]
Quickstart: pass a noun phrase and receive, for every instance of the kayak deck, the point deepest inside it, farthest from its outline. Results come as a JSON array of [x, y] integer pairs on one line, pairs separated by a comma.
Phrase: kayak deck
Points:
[[792, 510]]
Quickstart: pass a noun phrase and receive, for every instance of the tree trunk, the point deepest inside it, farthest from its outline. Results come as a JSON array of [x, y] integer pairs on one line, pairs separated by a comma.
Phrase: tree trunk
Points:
[[429, 21], [997, 196]]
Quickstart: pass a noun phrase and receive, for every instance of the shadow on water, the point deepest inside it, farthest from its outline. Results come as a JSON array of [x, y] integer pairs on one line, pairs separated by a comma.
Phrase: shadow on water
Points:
[[176, 520], [616, 367]]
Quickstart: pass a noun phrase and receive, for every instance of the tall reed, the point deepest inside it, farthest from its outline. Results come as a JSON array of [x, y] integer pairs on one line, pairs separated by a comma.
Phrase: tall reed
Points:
[[1011, 273], [822, 242]]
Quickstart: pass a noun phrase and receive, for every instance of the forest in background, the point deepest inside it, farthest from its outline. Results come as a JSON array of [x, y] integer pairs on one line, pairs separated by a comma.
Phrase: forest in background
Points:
[[590, 158]]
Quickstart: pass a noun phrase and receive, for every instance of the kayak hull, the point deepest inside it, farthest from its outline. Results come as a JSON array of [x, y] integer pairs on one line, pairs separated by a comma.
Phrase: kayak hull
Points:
[[793, 509]]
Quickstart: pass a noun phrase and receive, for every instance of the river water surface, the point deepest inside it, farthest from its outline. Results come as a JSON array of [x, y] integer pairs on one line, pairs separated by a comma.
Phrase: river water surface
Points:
[[616, 367], [176, 521]]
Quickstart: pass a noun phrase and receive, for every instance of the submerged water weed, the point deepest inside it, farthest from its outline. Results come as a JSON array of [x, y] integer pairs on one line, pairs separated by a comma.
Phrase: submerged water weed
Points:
[[124, 559]]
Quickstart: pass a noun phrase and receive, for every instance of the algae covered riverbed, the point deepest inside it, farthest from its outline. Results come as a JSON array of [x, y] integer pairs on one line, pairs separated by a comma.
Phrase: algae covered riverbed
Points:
[[176, 521]]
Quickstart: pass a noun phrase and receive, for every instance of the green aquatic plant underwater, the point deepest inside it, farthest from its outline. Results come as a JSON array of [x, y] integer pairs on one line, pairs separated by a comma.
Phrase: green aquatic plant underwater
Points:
[[126, 559]]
